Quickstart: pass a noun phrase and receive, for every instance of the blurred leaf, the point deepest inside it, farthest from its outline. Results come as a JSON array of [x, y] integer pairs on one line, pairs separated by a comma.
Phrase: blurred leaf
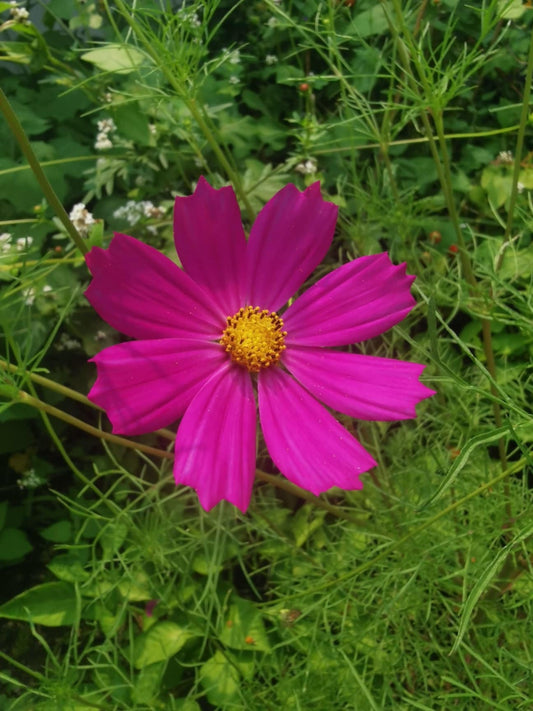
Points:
[[115, 58], [244, 627], [50, 604], [60, 532], [14, 544], [161, 642], [69, 568]]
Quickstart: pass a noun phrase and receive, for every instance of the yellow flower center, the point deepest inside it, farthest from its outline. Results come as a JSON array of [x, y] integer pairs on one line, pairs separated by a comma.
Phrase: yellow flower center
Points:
[[254, 338]]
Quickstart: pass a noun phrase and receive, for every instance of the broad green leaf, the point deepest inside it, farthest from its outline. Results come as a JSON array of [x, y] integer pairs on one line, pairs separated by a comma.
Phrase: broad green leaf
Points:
[[148, 683], [370, 22], [69, 568], [115, 58], [113, 536], [60, 532], [220, 679], [244, 628], [161, 642], [50, 604], [13, 544]]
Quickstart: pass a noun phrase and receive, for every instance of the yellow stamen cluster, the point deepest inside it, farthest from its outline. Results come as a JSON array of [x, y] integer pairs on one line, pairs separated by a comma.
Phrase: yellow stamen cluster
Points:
[[254, 338]]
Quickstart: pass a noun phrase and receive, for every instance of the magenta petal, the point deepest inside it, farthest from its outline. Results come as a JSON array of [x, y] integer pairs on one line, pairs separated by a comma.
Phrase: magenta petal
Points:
[[357, 301], [144, 385], [215, 446], [305, 441], [141, 293], [211, 244], [361, 386], [289, 238]]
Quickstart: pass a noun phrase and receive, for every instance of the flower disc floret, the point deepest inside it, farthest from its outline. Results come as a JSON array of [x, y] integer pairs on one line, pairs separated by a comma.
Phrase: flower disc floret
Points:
[[254, 338]]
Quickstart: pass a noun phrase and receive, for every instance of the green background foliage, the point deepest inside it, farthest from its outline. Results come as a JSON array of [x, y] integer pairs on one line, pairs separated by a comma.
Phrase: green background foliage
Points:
[[119, 592]]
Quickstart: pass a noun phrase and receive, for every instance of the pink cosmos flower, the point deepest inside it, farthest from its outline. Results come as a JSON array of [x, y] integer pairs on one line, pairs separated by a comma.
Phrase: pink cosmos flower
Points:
[[209, 332]]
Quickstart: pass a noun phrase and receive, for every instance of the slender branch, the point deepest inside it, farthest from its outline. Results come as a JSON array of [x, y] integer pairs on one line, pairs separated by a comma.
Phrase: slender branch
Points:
[[27, 399], [524, 120], [25, 146]]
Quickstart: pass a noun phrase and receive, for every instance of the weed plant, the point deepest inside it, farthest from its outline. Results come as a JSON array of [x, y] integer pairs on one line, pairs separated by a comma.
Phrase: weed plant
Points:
[[119, 592]]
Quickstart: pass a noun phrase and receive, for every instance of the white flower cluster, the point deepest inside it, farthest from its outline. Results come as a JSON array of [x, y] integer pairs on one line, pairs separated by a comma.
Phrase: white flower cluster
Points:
[[271, 59], [133, 211], [19, 14], [21, 244], [66, 343], [31, 292], [306, 167], [105, 127], [30, 480], [82, 219], [505, 157]]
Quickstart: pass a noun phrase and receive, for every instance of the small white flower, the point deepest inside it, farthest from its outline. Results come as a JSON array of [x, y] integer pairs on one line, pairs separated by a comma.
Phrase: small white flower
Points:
[[107, 125], [306, 167], [29, 296], [30, 480], [23, 243], [66, 343], [233, 79], [82, 219], [152, 128], [271, 59], [47, 289], [19, 14], [5, 242], [272, 22], [505, 157], [520, 187], [235, 57], [102, 142]]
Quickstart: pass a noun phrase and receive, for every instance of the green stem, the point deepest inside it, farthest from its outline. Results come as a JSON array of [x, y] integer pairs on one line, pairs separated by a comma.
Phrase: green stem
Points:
[[190, 102], [524, 120], [25, 146], [27, 399], [66, 392]]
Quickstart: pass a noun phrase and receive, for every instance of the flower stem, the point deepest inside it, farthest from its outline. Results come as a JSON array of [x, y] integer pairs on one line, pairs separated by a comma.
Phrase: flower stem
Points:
[[28, 399], [67, 392], [191, 104], [25, 146]]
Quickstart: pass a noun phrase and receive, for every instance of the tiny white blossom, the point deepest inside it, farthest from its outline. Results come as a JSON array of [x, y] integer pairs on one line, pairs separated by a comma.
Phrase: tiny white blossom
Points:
[[271, 59], [152, 128], [505, 157], [520, 187], [66, 343], [133, 211], [19, 14], [82, 219], [5, 242], [272, 22], [233, 79], [306, 167], [235, 57], [47, 289], [23, 243], [102, 142], [107, 125], [30, 480], [29, 296]]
